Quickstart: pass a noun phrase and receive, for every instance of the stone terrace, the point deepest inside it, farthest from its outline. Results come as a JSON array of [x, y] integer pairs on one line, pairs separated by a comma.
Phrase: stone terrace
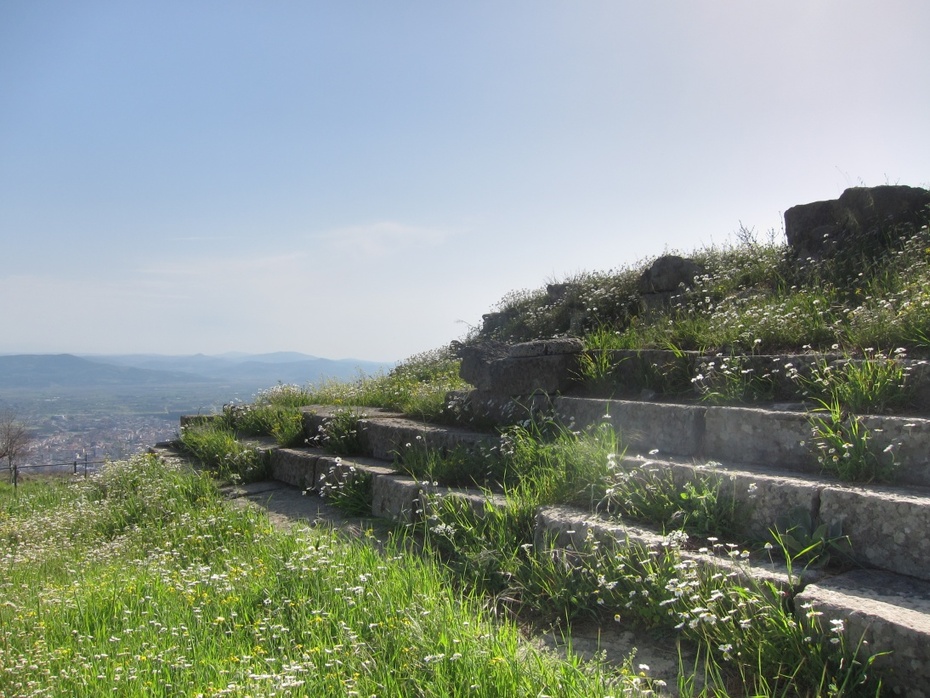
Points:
[[757, 451]]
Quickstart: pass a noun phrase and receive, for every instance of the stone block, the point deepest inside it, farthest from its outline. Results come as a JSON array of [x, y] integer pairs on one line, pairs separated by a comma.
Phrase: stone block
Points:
[[545, 366], [642, 426], [295, 467], [887, 528], [889, 612], [396, 497], [574, 529], [387, 438], [315, 418], [907, 440], [753, 436], [761, 497], [197, 419]]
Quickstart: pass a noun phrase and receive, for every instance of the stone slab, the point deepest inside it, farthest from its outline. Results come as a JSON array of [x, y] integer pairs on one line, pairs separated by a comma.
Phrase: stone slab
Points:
[[568, 527], [315, 417], [907, 440], [761, 496], [888, 528], [387, 438], [396, 497], [890, 612], [294, 466], [759, 437], [642, 426], [574, 529]]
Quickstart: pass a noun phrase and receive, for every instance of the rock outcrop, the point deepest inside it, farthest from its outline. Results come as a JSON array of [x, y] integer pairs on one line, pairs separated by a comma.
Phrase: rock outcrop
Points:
[[870, 218], [664, 279]]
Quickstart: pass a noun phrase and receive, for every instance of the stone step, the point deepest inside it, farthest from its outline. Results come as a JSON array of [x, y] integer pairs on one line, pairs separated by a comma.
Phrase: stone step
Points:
[[550, 366], [884, 527], [386, 435], [891, 612], [773, 438], [887, 602], [880, 612]]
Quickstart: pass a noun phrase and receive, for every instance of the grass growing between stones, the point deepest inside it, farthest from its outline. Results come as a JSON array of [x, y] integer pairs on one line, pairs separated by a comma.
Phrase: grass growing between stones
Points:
[[140, 581], [749, 640], [416, 387], [218, 448]]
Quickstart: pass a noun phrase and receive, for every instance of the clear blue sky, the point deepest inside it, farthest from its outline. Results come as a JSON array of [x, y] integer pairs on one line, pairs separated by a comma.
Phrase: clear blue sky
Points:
[[359, 179]]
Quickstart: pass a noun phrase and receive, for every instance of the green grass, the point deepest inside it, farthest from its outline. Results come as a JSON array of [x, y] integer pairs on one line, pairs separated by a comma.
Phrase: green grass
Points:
[[416, 387], [218, 448], [748, 640], [753, 297], [745, 635], [841, 444], [142, 582]]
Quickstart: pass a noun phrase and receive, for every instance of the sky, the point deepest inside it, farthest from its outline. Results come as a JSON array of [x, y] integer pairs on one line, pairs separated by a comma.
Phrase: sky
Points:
[[366, 179]]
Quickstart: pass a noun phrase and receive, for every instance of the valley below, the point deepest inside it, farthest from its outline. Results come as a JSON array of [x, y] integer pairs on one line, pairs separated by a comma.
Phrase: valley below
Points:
[[109, 424], [108, 408]]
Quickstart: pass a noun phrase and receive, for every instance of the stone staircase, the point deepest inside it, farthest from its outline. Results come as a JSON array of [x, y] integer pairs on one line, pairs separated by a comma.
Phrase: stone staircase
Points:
[[884, 597]]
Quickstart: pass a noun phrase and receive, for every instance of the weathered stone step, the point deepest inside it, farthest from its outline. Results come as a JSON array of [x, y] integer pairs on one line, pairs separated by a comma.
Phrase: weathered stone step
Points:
[[385, 435], [888, 613], [551, 366], [747, 435], [886, 527]]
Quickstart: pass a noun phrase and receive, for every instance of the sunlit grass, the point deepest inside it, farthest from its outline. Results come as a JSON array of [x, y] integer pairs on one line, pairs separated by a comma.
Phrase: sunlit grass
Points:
[[218, 448], [159, 589], [753, 297], [417, 386]]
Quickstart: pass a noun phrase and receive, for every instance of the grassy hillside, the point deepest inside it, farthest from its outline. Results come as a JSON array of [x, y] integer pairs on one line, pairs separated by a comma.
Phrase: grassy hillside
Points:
[[753, 297], [141, 581]]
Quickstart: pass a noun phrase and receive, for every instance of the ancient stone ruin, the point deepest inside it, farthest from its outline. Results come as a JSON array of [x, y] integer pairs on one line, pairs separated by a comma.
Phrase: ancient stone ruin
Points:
[[871, 218], [667, 277]]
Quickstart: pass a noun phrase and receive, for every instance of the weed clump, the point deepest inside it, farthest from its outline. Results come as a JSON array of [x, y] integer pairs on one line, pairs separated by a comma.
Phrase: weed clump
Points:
[[218, 448]]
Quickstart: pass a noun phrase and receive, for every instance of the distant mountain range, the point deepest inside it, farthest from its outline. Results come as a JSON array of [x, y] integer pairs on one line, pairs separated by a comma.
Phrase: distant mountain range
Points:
[[50, 371]]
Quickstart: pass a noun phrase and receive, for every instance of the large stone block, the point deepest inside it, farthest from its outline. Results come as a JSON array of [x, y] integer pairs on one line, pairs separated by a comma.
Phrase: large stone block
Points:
[[907, 441], [390, 438], [296, 467], [754, 436], [761, 498], [889, 612], [642, 426], [887, 528], [396, 497], [545, 366], [868, 215]]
